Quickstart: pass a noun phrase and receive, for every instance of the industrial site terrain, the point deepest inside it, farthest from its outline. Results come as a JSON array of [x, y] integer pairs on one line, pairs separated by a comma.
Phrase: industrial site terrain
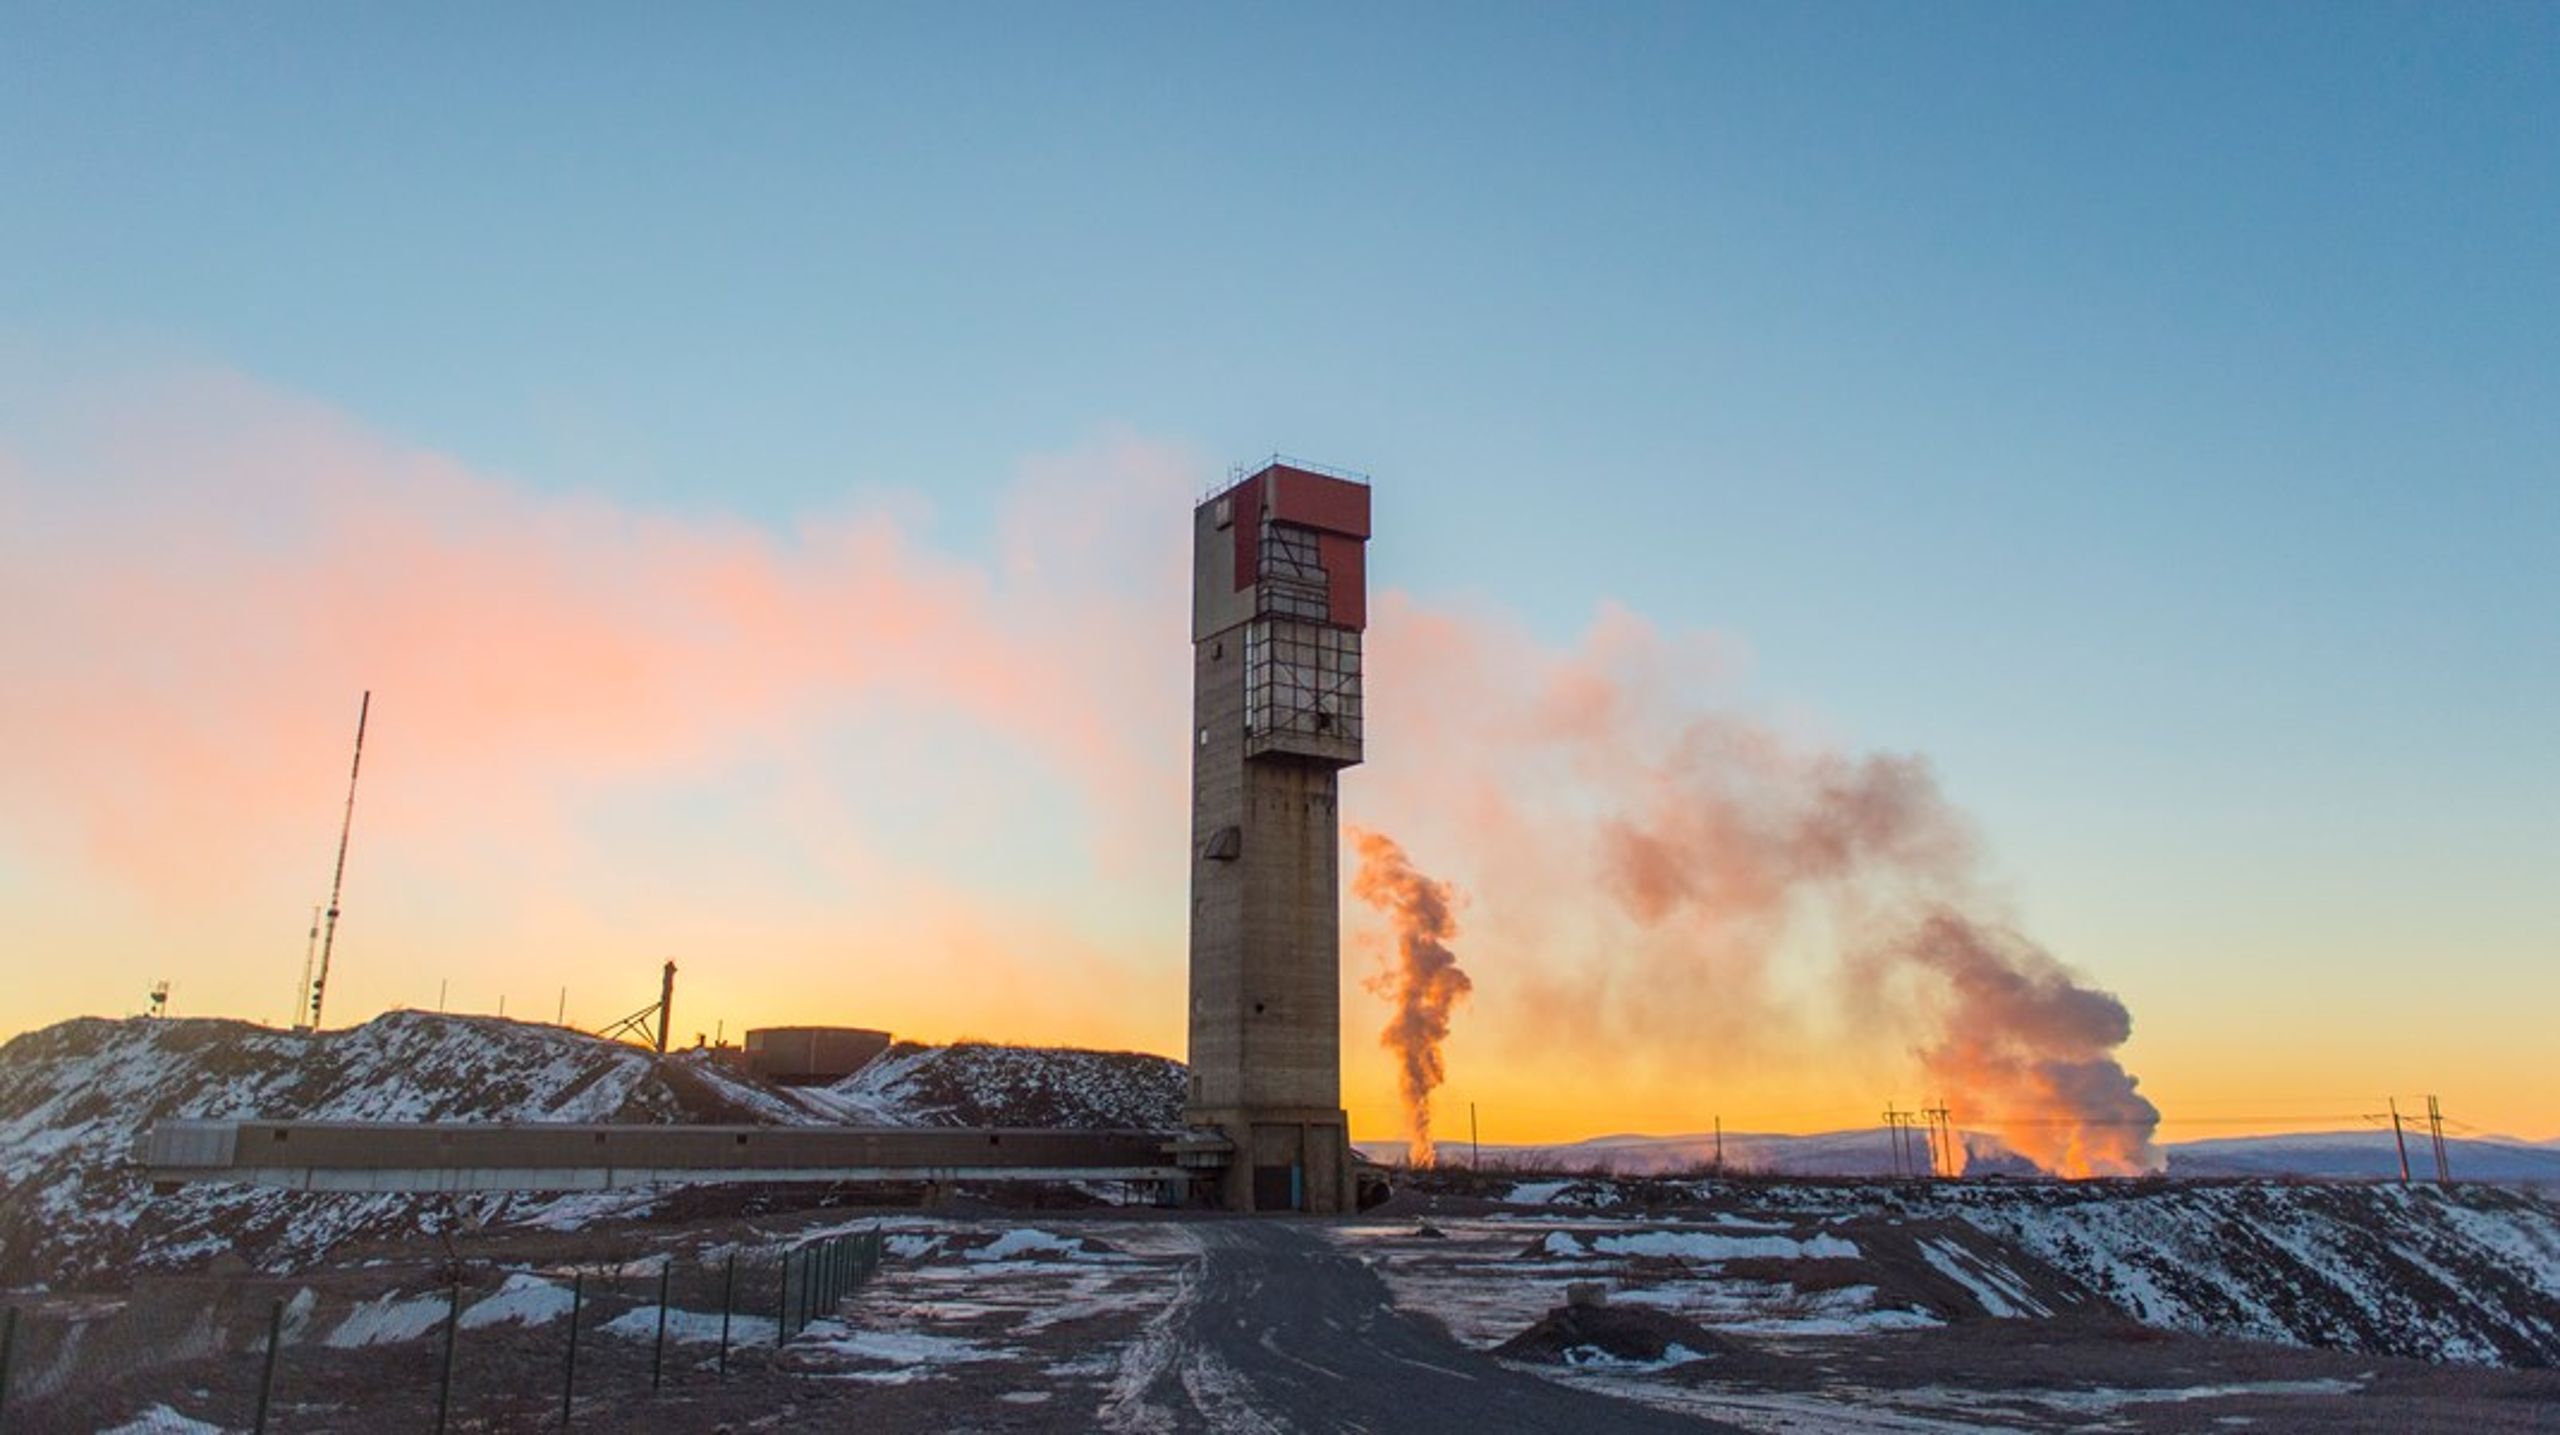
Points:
[[1551, 1300]]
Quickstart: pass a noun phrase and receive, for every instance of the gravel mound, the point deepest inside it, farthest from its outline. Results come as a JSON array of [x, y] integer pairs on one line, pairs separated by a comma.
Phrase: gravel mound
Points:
[[1612, 1334]]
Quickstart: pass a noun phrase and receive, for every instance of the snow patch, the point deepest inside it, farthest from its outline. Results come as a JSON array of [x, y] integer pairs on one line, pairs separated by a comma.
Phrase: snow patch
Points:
[[1027, 1241], [388, 1319], [523, 1300], [1592, 1357], [690, 1327], [2000, 1294], [161, 1420], [1701, 1246]]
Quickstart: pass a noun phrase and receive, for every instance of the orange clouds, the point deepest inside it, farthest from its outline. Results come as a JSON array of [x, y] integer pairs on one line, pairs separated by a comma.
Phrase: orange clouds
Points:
[[202, 573], [840, 771], [216, 577]]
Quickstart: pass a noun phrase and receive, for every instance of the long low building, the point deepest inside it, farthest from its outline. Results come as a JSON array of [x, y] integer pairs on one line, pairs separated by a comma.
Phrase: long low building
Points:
[[488, 1156]]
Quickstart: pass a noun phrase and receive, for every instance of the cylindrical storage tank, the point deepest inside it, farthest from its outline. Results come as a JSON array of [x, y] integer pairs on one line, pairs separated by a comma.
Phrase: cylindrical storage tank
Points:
[[812, 1054]]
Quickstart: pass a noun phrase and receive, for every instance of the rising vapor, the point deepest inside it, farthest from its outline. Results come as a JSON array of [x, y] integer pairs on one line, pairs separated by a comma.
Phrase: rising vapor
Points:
[[2021, 1034], [1423, 982], [1734, 895]]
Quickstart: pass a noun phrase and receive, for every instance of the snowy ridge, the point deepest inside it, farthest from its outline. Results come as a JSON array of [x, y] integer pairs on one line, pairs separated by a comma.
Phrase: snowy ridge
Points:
[[2470, 1274], [75, 1098], [2466, 1274], [977, 1084]]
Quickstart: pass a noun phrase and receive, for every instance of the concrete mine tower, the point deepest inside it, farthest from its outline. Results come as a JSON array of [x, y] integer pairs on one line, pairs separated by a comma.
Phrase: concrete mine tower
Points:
[[1278, 601]]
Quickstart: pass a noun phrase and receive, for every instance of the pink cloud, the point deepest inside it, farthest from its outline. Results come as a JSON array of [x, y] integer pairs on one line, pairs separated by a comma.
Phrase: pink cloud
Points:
[[207, 574]]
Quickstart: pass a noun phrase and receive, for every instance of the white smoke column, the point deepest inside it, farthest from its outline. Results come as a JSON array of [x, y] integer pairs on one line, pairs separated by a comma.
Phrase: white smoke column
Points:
[[1689, 880], [1736, 836], [2020, 1034], [1423, 982]]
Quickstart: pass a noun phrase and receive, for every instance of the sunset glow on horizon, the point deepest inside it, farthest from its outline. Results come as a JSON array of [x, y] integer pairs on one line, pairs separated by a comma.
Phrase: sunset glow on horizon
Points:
[[1863, 601], [840, 774]]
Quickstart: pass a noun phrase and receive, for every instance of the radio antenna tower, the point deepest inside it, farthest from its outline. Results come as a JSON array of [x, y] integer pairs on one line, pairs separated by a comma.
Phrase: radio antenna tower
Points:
[[310, 960], [337, 880]]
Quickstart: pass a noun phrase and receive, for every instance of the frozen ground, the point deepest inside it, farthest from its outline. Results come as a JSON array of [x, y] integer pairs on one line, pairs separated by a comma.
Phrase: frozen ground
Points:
[[76, 1097], [1155, 1322], [1880, 1326]]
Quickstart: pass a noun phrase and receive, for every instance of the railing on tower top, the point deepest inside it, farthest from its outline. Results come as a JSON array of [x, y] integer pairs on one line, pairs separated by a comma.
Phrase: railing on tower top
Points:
[[1238, 473]]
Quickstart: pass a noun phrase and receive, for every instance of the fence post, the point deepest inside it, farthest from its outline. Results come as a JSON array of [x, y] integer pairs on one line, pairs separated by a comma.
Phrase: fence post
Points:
[[8, 1347], [569, 1375], [728, 1298], [782, 1303], [444, 1379], [658, 1357], [267, 1377]]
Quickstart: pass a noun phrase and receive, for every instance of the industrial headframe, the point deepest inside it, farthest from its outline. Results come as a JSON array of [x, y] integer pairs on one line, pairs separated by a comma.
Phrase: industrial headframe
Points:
[[1278, 601]]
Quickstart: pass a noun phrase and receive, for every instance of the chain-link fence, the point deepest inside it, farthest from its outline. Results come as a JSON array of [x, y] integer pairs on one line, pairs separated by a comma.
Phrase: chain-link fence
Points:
[[490, 1345]]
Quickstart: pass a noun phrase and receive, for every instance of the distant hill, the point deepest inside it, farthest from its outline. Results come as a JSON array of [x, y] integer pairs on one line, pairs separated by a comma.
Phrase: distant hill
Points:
[[2364, 1155], [2334, 1155], [1869, 1152], [76, 1097]]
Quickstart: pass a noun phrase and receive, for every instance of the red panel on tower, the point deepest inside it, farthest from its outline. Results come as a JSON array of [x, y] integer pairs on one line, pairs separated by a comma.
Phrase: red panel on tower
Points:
[[1312, 500], [1346, 573], [1246, 518]]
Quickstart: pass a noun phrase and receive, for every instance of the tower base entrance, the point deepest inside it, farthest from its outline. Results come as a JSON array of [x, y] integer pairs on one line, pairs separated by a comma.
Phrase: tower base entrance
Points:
[[1280, 1159]]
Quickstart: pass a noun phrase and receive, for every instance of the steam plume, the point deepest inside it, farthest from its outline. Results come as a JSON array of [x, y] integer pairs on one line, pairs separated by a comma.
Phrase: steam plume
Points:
[[1769, 902], [1424, 982], [2019, 1029]]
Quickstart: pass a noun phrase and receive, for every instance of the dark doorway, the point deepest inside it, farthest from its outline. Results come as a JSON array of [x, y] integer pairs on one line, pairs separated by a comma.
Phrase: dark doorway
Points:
[[1275, 1188]]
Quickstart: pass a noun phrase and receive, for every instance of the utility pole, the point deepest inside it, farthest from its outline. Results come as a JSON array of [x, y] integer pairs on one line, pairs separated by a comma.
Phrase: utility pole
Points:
[[1719, 1146], [1475, 1148], [1897, 1130], [337, 880], [666, 1004], [1942, 1139], [2435, 1124], [2400, 1139]]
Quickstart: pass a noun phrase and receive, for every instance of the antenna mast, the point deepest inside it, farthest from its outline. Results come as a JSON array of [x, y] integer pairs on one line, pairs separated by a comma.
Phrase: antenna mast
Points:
[[320, 984], [310, 959]]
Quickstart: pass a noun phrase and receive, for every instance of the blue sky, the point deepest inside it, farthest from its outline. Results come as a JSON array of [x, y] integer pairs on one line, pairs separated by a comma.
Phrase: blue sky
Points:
[[2146, 411]]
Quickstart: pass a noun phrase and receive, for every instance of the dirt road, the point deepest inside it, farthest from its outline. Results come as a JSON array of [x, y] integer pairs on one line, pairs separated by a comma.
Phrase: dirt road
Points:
[[1275, 1330]]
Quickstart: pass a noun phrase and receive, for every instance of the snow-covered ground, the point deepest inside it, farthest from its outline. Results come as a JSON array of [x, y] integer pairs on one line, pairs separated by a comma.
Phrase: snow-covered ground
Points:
[[2467, 1274], [75, 1099], [1489, 1279], [978, 1084]]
